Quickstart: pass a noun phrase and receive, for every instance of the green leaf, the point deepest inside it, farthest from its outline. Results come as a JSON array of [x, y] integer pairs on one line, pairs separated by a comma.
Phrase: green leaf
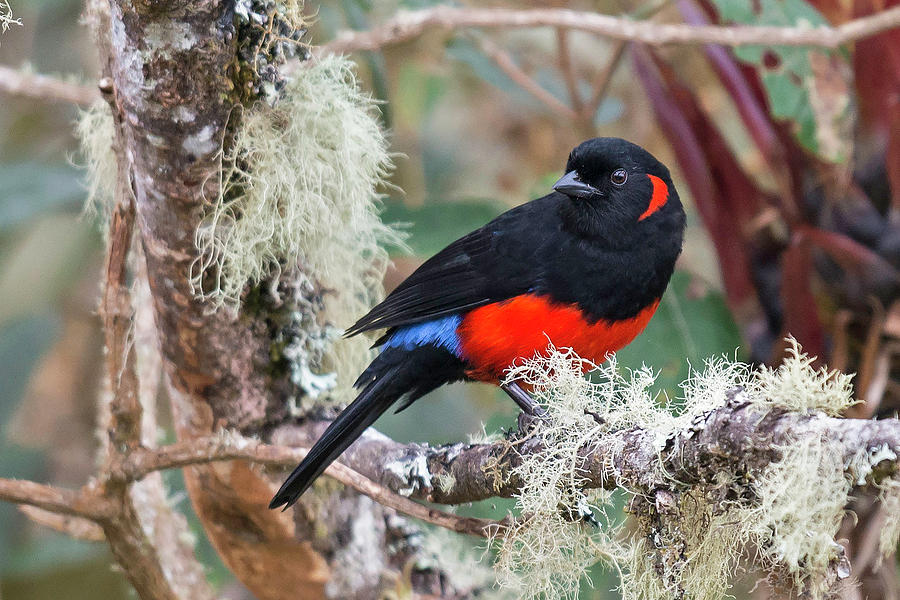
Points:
[[40, 264], [22, 344], [750, 54], [435, 225], [30, 189], [736, 10], [691, 324], [792, 82], [466, 52], [787, 98]]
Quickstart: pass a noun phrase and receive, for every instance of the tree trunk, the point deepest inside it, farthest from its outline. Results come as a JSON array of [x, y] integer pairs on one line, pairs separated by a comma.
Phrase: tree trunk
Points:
[[171, 66]]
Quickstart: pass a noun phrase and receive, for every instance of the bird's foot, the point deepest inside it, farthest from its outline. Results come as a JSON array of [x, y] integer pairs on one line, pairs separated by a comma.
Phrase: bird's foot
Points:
[[523, 399]]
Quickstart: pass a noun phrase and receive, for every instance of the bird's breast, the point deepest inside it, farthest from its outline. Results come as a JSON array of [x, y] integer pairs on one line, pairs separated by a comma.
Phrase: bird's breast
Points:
[[492, 337]]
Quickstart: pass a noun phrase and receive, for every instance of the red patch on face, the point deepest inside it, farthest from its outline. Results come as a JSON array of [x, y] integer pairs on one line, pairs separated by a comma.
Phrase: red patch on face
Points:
[[659, 197], [492, 337]]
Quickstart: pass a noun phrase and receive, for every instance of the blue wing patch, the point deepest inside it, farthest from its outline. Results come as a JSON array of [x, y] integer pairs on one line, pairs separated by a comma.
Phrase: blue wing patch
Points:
[[437, 332]]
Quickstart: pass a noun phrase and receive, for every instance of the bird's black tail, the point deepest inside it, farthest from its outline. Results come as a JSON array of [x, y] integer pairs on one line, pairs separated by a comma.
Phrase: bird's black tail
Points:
[[375, 398]]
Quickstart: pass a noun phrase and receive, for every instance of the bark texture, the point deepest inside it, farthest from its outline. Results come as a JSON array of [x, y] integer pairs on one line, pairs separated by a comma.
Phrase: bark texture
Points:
[[174, 69]]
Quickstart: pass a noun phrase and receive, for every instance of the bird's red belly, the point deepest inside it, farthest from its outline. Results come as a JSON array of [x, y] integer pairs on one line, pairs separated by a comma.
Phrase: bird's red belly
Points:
[[492, 337]]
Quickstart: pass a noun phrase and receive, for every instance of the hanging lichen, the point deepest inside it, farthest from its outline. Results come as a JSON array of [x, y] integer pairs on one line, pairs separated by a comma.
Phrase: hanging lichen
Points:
[[300, 192], [6, 17], [96, 132]]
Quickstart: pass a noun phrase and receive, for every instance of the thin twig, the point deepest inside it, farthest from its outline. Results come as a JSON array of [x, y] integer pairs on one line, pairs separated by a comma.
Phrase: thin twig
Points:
[[132, 541], [601, 84], [44, 87], [117, 313], [506, 63], [568, 71], [77, 527], [406, 26], [54, 499], [230, 447], [141, 462]]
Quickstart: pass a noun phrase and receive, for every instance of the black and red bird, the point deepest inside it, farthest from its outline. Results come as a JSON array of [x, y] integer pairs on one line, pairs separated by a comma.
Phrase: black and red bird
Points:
[[584, 266]]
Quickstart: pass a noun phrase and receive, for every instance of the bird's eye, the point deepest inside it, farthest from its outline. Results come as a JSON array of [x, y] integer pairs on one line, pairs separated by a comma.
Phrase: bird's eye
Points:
[[619, 176]]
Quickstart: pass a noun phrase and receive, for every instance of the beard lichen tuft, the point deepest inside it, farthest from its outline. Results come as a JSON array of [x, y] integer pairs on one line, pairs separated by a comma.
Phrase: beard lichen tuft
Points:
[[796, 385], [799, 506], [461, 563], [889, 496], [95, 130], [686, 545], [300, 192], [6, 17], [688, 538], [547, 551]]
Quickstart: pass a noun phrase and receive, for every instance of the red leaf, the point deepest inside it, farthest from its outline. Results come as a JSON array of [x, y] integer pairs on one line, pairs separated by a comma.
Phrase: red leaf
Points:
[[753, 111], [848, 253], [726, 198], [892, 158], [801, 316]]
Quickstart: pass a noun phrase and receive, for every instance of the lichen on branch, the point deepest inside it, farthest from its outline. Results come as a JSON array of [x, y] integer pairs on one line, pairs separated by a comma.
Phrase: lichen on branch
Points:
[[300, 188], [688, 535]]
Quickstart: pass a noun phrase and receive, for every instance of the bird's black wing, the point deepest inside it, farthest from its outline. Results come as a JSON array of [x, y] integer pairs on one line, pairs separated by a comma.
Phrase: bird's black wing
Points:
[[490, 264]]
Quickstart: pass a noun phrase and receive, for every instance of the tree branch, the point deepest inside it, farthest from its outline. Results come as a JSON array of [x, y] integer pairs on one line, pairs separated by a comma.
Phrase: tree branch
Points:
[[53, 499], [214, 448], [568, 70], [218, 363], [505, 63], [601, 83], [141, 462], [406, 26], [739, 437], [44, 87], [79, 528]]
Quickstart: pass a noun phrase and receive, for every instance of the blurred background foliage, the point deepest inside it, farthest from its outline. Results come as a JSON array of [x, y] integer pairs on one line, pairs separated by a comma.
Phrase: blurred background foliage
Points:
[[784, 157]]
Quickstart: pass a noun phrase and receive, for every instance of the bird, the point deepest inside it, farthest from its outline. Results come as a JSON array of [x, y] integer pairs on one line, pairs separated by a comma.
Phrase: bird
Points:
[[584, 267]]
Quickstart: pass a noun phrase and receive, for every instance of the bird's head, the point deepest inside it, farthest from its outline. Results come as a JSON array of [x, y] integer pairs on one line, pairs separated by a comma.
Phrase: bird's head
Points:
[[618, 192]]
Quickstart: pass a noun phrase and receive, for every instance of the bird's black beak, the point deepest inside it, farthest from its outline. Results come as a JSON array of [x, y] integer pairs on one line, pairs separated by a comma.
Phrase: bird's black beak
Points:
[[570, 185]]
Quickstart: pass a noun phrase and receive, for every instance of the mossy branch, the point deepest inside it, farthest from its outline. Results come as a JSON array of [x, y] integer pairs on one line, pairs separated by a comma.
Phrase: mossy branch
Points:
[[739, 437], [792, 472]]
